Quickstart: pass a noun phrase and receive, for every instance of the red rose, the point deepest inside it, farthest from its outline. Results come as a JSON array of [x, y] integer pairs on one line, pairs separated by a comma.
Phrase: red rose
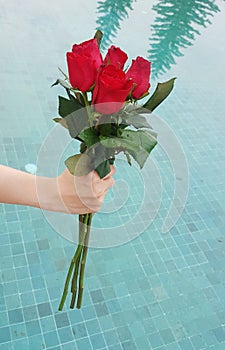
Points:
[[111, 90], [116, 57], [139, 72], [83, 64]]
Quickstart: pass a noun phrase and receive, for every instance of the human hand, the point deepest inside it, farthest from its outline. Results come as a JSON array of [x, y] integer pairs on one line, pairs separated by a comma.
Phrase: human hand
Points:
[[82, 194], [65, 193]]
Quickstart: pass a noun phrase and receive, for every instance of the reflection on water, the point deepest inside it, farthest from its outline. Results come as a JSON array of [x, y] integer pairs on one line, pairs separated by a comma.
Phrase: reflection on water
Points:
[[111, 13], [174, 29], [175, 26]]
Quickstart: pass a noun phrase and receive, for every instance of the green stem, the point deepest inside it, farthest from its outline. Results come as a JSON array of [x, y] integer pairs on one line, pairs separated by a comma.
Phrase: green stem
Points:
[[76, 269], [88, 108], [83, 262], [73, 261]]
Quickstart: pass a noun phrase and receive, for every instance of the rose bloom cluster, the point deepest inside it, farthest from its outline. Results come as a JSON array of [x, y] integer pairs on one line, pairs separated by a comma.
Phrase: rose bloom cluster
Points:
[[105, 78]]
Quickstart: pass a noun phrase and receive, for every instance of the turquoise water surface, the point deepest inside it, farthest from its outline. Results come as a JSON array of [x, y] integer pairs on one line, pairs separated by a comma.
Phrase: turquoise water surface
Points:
[[163, 291]]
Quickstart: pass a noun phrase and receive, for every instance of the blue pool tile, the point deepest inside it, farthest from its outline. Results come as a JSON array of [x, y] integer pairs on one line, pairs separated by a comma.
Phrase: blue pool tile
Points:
[[8, 275], [18, 331], [3, 318], [6, 262], [88, 312], [22, 272], [10, 288], [113, 305], [31, 247], [167, 335], [21, 344], [173, 346], [4, 239], [84, 344], [65, 335], [97, 341], [92, 326], [36, 342], [51, 339], [115, 347], [128, 345], [15, 316], [121, 289], [70, 346], [20, 260], [219, 334], [4, 334], [111, 337], [30, 313], [137, 329], [33, 258], [106, 322], [38, 282], [124, 333], [142, 342], [155, 340], [6, 346], [47, 323], [96, 296], [79, 330], [17, 248], [43, 244], [198, 342], [108, 292], [41, 296], [75, 317], [119, 319], [24, 285], [61, 320], [185, 344], [44, 309], [33, 327], [35, 270], [101, 309]]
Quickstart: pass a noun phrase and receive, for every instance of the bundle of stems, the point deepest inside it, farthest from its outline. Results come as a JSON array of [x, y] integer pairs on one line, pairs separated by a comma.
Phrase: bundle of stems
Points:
[[77, 265]]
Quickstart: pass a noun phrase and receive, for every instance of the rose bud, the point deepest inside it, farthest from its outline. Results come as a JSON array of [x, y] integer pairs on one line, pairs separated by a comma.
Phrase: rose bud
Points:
[[83, 64], [116, 57], [111, 90], [139, 72]]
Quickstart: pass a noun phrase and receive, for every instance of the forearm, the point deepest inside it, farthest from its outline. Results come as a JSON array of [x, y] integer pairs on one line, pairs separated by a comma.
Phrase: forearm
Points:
[[18, 187], [55, 194]]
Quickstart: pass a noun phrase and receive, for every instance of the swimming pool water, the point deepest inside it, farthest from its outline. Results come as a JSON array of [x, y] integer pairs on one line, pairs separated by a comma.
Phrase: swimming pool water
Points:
[[158, 291]]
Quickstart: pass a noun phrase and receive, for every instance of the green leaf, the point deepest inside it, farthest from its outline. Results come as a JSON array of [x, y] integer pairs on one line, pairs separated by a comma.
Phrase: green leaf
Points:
[[95, 158], [62, 83], [138, 144], [67, 107], [103, 168], [98, 36], [128, 157], [161, 92], [136, 120], [64, 74], [79, 164], [89, 137], [79, 97], [77, 122], [61, 121], [102, 158]]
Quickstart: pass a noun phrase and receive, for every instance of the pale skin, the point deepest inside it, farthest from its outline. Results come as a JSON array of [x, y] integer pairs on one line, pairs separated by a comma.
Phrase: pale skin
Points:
[[64, 193]]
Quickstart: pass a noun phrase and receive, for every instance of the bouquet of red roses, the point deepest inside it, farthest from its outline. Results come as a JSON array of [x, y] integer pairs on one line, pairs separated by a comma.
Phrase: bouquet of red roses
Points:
[[102, 113]]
